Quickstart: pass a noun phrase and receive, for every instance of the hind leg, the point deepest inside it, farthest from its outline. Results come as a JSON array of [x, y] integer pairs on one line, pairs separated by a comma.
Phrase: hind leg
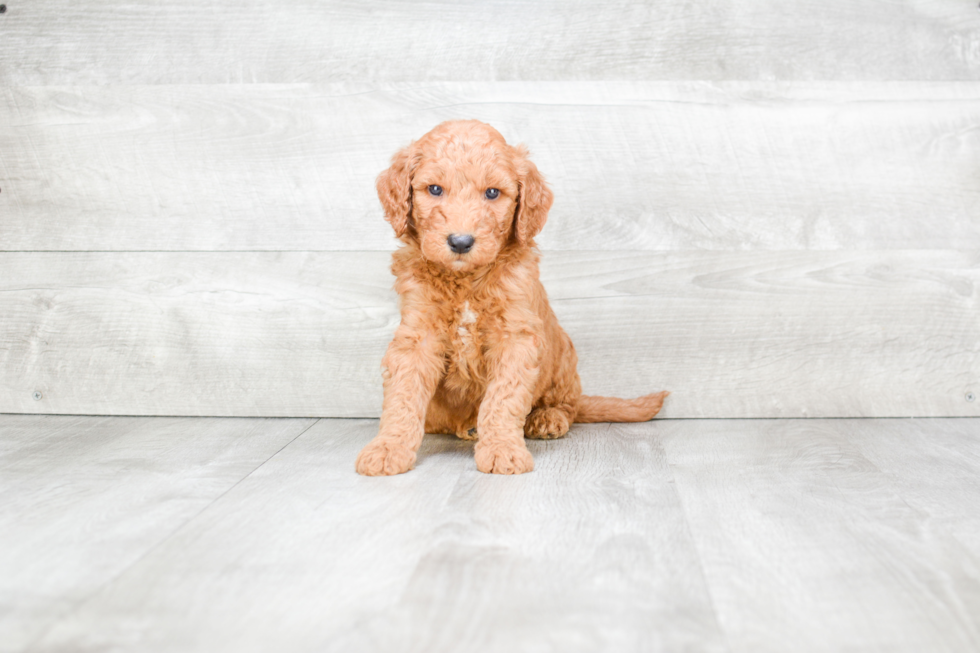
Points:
[[547, 423], [554, 411]]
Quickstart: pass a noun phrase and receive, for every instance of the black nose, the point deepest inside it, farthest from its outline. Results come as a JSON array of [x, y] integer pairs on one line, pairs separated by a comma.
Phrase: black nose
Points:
[[460, 243]]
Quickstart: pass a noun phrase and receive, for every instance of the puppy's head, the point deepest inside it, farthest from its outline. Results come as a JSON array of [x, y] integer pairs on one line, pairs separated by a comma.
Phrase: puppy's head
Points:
[[462, 193]]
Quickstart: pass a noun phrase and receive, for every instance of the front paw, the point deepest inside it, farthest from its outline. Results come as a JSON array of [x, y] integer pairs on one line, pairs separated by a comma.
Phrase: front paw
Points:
[[503, 457], [384, 457]]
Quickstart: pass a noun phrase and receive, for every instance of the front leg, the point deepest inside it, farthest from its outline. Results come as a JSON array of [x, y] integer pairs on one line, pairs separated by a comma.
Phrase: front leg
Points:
[[500, 448], [412, 367]]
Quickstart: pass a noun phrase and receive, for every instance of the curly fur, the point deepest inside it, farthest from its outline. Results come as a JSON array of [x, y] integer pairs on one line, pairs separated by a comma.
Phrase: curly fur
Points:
[[479, 352]]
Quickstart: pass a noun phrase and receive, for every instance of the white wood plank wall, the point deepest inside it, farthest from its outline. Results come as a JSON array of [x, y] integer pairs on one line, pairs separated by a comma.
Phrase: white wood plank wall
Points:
[[771, 209], [636, 166], [66, 42]]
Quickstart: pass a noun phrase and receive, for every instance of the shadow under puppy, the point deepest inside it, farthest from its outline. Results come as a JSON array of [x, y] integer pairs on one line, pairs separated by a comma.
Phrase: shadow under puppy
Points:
[[479, 352]]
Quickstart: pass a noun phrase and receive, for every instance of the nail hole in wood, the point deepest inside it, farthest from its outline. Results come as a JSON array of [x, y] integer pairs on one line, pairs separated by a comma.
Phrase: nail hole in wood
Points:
[[3, 9]]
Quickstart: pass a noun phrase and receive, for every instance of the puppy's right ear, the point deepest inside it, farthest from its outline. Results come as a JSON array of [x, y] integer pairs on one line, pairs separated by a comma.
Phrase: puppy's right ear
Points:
[[395, 189]]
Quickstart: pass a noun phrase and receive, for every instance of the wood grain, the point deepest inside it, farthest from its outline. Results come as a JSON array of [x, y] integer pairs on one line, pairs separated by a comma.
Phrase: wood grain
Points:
[[574, 557], [220, 42], [936, 467], [177, 333], [805, 543], [746, 536], [736, 334], [590, 552], [85, 498], [640, 166], [303, 548]]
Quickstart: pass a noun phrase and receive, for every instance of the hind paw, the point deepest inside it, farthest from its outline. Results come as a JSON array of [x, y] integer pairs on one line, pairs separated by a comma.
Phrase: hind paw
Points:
[[546, 424]]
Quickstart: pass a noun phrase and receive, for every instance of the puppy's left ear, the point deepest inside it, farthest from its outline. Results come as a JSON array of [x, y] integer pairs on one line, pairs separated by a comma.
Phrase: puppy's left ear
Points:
[[533, 201]]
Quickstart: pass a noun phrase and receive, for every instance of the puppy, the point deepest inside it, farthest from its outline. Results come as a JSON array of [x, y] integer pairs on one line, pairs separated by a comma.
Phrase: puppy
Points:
[[479, 352]]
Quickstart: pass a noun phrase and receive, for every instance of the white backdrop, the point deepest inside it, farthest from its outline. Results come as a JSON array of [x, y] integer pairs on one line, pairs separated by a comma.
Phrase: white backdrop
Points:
[[771, 209]]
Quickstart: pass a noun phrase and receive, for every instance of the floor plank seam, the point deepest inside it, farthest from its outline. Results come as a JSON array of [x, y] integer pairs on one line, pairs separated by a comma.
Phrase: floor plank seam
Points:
[[81, 604], [697, 549]]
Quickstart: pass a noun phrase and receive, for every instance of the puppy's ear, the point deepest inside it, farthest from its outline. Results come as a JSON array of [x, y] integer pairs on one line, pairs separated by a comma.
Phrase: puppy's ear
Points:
[[533, 201], [395, 189]]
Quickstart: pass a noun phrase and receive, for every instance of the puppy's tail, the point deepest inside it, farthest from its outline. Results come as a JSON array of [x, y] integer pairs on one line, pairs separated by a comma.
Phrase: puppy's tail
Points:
[[611, 409]]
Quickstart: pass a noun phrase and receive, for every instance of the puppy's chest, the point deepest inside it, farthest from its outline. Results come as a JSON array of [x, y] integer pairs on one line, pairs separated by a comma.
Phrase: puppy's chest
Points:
[[468, 340]]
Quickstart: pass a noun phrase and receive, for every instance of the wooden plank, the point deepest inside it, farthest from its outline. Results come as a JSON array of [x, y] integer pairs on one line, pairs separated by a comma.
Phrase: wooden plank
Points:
[[590, 552], [777, 334], [640, 166], [233, 334], [220, 42], [736, 334], [806, 545], [301, 548], [85, 498], [735, 535], [935, 466]]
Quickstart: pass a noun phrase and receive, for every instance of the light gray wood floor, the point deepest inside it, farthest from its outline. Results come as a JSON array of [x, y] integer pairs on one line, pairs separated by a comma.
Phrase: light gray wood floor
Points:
[[208, 534]]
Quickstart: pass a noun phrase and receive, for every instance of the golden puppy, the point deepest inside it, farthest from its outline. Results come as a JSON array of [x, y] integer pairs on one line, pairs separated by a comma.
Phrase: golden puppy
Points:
[[479, 352]]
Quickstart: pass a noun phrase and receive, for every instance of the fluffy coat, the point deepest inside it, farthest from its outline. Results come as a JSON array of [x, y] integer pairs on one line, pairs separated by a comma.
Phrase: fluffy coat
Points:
[[479, 352]]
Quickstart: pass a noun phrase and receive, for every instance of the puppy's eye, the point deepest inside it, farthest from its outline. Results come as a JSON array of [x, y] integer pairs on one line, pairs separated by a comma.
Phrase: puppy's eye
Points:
[[492, 193], [435, 190]]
